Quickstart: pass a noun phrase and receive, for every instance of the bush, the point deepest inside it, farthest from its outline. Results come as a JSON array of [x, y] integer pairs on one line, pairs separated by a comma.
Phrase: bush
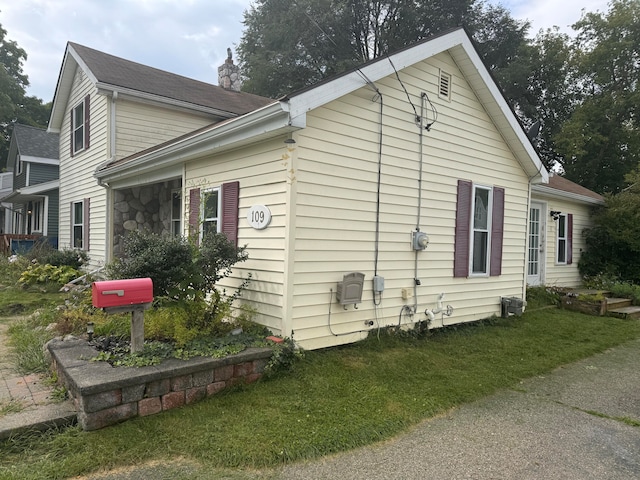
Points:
[[43, 253], [46, 274], [177, 267]]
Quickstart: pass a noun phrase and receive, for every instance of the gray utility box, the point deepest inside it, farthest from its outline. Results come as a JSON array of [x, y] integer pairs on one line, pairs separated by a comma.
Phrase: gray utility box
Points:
[[350, 288], [512, 306]]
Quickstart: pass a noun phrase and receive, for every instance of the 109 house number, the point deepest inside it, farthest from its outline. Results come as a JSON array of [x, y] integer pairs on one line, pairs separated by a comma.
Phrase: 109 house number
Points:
[[259, 216]]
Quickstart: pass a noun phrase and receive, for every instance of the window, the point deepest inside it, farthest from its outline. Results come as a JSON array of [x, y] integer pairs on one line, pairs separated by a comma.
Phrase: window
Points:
[[37, 216], [479, 230], [480, 234], [19, 165], [80, 224], [211, 211], [80, 127], [214, 210], [564, 230], [17, 221], [176, 212]]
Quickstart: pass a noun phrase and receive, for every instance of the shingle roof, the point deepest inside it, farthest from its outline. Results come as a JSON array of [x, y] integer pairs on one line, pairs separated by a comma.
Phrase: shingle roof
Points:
[[118, 72], [36, 142], [560, 183]]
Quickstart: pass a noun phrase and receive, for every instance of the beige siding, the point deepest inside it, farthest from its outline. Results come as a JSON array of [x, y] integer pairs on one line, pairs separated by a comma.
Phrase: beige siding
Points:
[[76, 173], [335, 224], [264, 175], [140, 126], [561, 275]]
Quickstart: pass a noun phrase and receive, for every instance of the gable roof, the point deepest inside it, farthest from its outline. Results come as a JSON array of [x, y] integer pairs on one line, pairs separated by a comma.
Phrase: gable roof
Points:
[[561, 187], [289, 113], [114, 74], [35, 143]]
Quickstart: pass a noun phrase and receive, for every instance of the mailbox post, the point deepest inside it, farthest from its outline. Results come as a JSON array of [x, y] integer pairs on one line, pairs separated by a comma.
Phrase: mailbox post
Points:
[[130, 295]]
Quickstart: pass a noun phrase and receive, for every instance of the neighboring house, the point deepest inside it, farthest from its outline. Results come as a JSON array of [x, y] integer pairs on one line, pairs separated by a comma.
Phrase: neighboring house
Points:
[[560, 211], [32, 205], [339, 182], [106, 108]]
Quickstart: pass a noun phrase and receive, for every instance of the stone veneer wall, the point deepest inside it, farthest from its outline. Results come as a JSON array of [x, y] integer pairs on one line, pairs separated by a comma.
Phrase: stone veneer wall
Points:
[[145, 208], [105, 395]]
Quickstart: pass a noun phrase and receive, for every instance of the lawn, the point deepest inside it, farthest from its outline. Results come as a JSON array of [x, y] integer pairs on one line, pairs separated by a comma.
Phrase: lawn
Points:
[[333, 400]]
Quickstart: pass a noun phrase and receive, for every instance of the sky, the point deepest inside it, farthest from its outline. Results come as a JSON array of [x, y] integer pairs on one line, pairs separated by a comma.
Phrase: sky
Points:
[[186, 37]]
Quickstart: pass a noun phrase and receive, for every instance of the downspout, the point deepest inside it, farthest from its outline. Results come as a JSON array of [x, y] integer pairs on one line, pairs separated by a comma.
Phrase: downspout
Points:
[[112, 127], [108, 247]]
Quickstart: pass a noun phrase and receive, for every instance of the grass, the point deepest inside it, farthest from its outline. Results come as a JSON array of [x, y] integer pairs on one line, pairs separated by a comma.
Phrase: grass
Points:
[[333, 400], [11, 406]]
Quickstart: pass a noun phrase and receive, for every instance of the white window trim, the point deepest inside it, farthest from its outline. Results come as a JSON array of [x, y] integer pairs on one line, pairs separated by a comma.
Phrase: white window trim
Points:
[[76, 127], [19, 165], [37, 216], [179, 219], [565, 217], [202, 208], [488, 230], [78, 224]]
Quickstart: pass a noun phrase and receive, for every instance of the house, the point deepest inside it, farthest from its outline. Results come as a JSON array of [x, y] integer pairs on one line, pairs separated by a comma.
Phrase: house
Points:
[[395, 193], [106, 108], [31, 207], [559, 213]]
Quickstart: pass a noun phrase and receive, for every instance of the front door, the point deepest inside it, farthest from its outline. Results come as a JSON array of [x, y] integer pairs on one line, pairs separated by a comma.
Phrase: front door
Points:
[[535, 257]]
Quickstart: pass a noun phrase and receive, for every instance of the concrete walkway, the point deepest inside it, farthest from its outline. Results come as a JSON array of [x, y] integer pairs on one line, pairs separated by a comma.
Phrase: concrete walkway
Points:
[[26, 401]]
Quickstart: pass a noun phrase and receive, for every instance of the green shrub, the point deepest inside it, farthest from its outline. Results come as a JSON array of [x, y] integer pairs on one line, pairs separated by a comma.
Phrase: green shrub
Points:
[[542, 296], [43, 253], [43, 274]]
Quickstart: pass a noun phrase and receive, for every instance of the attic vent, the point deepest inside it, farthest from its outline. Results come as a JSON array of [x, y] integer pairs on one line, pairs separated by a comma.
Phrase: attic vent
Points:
[[444, 86]]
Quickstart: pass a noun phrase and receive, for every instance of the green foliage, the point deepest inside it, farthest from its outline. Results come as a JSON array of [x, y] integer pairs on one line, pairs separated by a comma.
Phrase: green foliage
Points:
[[178, 268], [288, 46], [43, 254], [613, 243], [44, 274], [285, 356], [541, 296]]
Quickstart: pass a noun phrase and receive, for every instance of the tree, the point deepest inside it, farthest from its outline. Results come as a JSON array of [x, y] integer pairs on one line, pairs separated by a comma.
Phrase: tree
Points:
[[15, 106], [290, 45], [600, 141]]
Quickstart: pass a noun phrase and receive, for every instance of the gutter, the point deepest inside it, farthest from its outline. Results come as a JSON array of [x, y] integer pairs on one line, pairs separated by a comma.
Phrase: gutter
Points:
[[268, 120]]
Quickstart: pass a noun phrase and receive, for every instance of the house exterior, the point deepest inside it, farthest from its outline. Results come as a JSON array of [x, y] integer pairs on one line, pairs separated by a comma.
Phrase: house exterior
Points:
[[31, 207], [106, 108], [364, 199], [560, 211]]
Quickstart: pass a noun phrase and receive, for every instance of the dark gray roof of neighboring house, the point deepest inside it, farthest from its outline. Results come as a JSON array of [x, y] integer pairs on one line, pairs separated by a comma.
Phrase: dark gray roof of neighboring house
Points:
[[118, 72], [36, 142]]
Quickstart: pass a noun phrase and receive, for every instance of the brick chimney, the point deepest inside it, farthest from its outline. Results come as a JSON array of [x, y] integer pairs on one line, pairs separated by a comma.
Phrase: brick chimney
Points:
[[229, 74]]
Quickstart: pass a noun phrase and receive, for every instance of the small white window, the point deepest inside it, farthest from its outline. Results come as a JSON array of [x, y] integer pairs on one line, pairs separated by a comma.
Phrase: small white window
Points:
[[77, 129], [211, 211], [561, 243], [444, 86]]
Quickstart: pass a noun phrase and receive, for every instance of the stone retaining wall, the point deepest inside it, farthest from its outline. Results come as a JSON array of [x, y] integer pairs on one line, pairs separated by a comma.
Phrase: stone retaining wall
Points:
[[105, 395]]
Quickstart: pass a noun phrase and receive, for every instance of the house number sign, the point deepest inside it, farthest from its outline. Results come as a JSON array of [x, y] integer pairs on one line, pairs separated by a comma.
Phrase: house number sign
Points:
[[259, 217]]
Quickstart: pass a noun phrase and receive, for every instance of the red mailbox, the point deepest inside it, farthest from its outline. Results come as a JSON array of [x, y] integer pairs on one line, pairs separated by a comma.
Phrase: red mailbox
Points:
[[122, 293]]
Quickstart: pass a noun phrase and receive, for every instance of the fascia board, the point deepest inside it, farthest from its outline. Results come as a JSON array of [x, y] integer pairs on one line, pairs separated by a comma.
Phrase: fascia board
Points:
[[40, 188], [553, 192], [40, 160], [270, 119]]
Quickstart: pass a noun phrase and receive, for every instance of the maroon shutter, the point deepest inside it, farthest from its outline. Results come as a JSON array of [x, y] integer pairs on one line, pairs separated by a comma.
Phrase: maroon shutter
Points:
[[463, 224], [497, 232], [86, 122], [570, 239], [85, 224], [230, 197], [71, 133], [194, 214]]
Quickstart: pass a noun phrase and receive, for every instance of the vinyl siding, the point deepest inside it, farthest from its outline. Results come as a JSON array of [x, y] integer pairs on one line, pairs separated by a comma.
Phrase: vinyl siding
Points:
[[76, 172], [335, 224], [140, 126], [263, 173], [39, 173], [564, 275]]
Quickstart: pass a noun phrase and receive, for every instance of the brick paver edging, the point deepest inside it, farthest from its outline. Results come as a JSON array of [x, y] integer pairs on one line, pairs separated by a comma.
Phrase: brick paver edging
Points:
[[105, 395]]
